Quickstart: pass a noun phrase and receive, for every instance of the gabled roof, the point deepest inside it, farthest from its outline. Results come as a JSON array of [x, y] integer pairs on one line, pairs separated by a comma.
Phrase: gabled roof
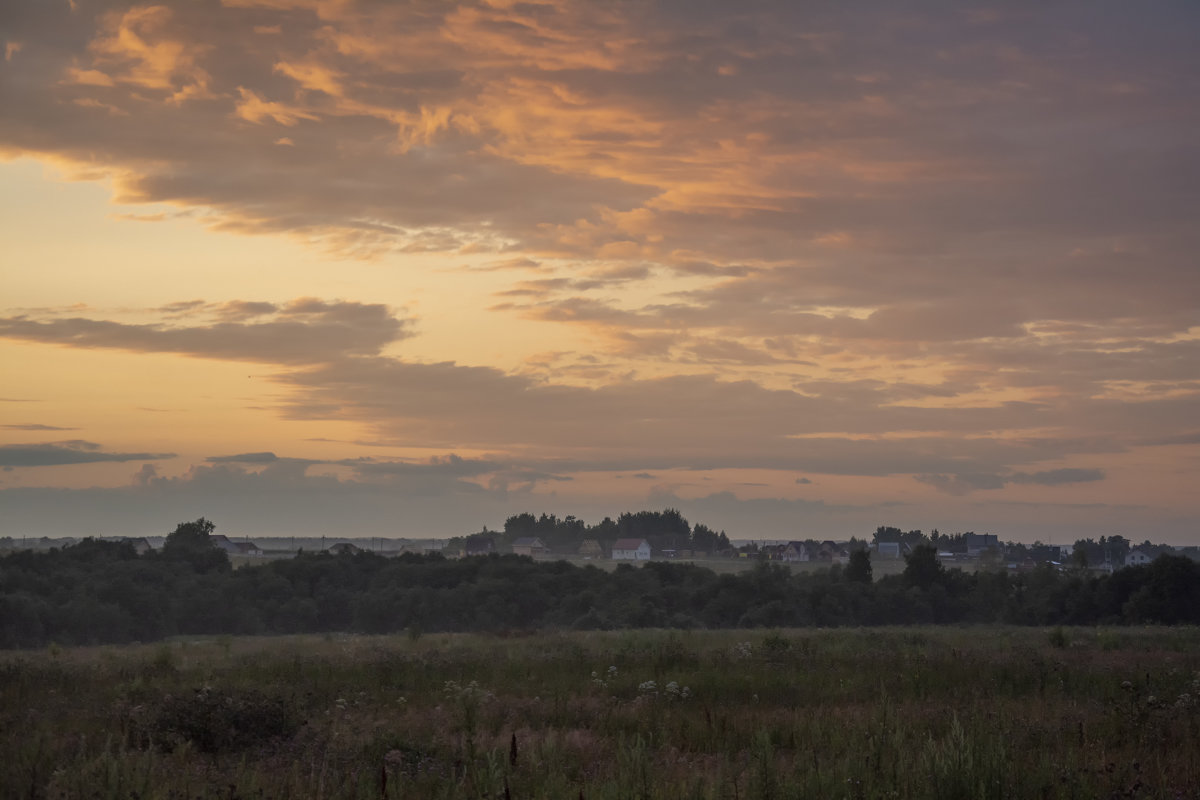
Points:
[[528, 541], [479, 543], [629, 544]]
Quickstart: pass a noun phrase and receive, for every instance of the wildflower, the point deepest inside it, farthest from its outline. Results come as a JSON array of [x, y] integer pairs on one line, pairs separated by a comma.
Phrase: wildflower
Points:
[[677, 692]]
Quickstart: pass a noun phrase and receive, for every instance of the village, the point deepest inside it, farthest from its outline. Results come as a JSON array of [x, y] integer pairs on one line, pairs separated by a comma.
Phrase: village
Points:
[[970, 551]]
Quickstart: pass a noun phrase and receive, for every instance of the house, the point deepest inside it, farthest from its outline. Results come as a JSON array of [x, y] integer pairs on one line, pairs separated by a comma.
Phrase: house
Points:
[[234, 548], [530, 546], [891, 550], [222, 541], [478, 545], [590, 548], [771, 552], [140, 545], [343, 548], [1137, 557], [977, 543], [631, 550], [796, 551], [833, 552]]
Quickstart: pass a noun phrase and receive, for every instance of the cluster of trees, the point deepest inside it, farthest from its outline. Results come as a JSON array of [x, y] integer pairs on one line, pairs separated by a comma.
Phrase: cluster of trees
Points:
[[665, 530], [96, 592]]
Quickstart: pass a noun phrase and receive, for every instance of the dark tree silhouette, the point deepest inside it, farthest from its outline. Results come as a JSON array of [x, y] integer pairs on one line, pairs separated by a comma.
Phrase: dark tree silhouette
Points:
[[922, 568], [191, 543], [859, 568]]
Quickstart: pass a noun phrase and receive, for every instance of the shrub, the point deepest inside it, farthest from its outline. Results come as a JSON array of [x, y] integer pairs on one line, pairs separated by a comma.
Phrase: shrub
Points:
[[222, 720]]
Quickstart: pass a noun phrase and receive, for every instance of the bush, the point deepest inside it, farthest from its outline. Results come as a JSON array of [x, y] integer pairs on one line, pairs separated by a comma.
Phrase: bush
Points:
[[222, 720]]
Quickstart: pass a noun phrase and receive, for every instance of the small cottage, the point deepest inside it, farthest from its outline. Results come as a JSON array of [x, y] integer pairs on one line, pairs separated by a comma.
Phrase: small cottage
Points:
[[530, 546], [631, 550]]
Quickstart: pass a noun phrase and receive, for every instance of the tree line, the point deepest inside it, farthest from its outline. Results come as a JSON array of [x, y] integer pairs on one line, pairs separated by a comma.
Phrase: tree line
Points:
[[664, 530], [104, 592]]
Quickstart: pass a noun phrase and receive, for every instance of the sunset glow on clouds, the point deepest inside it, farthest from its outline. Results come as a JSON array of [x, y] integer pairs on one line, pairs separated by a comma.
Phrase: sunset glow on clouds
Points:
[[405, 269]]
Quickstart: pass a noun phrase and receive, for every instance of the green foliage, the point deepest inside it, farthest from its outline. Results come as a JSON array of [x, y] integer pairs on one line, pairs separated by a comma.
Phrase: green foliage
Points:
[[191, 543], [666, 529], [97, 593], [922, 568], [217, 720], [859, 568]]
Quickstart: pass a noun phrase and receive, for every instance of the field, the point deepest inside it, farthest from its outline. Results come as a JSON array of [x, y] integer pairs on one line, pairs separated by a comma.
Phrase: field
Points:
[[903, 712]]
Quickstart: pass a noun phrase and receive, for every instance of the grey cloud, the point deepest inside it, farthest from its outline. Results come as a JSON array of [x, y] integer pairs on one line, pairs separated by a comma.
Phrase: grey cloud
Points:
[[965, 483], [1058, 477], [684, 421], [244, 458], [49, 454], [962, 483], [1178, 439], [35, 426], [450, 465], [304, 331]]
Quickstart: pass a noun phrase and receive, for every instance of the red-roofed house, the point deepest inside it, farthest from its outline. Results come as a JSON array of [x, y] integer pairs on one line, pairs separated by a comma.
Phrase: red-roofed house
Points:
[[631, 550]]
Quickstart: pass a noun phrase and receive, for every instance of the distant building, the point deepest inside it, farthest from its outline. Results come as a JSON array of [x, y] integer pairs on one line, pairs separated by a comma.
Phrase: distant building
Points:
[[234, 548], [891, 550], [530, 546], [631, 550], [977, 543], [795, 552], [590, 548], [833, 552], [478, 545], [343, 548], [1137, 557]]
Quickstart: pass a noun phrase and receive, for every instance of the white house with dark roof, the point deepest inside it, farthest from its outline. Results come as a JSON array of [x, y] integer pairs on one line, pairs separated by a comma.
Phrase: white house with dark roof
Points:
[[1137, 557], [796, 551], [234, 548], [631, 550]]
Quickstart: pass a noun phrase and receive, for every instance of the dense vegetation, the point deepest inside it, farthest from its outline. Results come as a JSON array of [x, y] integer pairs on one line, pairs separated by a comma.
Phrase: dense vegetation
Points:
[[664, 530], [915, 713], [99, 592]]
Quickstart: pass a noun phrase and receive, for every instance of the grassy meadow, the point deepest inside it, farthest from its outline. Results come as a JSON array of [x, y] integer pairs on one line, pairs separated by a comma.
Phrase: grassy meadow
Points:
[[863, 713]]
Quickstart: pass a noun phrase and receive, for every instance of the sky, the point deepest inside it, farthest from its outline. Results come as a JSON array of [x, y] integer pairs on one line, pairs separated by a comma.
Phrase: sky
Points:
[[326, 267]]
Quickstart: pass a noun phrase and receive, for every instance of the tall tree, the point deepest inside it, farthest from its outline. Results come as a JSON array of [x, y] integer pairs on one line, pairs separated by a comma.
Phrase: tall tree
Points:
[[922, 568], [859, 568], [191, 542]]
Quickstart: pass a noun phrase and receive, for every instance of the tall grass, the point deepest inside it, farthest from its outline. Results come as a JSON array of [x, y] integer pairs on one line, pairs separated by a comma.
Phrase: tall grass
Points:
[[920, 713]]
